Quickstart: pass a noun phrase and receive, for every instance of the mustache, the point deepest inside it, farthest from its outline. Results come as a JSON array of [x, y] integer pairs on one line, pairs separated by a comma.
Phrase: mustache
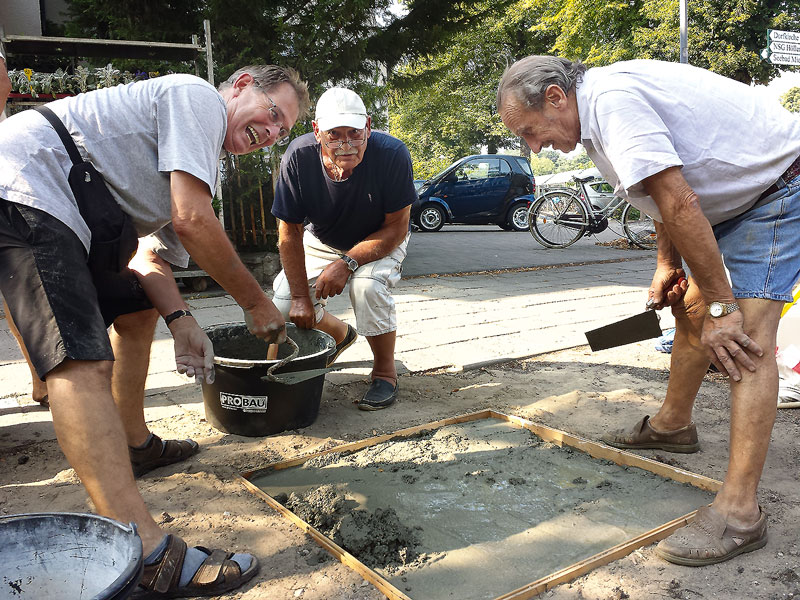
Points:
[[341, 152]]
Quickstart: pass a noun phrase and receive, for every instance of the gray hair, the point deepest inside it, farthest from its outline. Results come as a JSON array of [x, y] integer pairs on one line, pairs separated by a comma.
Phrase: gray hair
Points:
[[528, 78], [269, 76]]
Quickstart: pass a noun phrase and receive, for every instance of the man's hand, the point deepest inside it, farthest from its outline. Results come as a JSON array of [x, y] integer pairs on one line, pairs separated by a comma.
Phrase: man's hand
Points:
[[301, 312], [667, 288], [332, 280], [194, 354], [728, 345], [265, 321]]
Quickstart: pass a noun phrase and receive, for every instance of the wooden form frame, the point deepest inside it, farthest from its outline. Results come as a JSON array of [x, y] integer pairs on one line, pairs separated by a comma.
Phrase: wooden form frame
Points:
[[548, 434]]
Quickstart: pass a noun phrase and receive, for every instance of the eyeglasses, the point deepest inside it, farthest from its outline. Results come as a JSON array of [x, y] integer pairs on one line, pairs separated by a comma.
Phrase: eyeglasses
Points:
[[283, 135], [352, 142]]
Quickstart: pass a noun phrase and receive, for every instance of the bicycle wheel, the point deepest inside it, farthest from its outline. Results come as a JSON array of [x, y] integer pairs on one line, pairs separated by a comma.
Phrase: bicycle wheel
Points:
[[639, 228], [557, 219]]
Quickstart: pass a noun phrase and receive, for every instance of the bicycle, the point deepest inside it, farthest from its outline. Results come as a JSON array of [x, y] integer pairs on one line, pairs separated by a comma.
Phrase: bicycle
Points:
[[561, 216]]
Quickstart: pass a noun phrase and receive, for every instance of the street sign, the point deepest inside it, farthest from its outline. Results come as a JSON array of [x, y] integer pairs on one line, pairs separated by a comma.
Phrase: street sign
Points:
[[776, 35], [783, 47], [780, 58]]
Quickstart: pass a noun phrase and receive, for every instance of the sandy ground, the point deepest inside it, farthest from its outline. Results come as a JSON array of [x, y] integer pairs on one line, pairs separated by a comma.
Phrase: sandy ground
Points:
[[573, 390]]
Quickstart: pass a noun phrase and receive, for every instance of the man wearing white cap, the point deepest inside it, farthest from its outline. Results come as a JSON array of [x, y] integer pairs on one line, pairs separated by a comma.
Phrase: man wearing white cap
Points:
[[354, 189]]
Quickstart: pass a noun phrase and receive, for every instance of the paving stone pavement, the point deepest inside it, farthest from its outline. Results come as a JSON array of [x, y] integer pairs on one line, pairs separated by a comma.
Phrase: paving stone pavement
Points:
[[445, 321]]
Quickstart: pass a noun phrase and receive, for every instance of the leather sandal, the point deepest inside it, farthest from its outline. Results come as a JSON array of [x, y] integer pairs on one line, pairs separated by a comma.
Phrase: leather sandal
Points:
[[159, 453], [642, 436], [709, 539], [217, 575]]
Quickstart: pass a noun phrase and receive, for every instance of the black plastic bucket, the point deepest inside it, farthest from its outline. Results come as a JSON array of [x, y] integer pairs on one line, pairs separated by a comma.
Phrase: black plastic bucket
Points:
[[68, 556], [241, 402]]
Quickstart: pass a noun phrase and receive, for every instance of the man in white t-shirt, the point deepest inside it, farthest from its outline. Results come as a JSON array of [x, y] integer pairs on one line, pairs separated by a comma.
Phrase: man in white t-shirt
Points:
[[717, 166], [157, 144]]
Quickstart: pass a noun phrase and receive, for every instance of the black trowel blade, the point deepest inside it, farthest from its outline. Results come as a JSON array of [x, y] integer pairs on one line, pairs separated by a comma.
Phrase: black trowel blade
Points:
[[633, 329]]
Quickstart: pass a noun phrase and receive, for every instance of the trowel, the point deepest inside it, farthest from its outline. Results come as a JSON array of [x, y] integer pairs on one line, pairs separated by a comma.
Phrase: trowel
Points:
[[633, 329], [300, 376]]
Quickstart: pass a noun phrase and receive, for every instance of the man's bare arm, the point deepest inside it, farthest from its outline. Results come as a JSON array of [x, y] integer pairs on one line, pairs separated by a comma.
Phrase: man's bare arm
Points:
[[203, 237], [669, 280], [691, 234], [290, 246], [385, 240], [332, 280], [194, 353]]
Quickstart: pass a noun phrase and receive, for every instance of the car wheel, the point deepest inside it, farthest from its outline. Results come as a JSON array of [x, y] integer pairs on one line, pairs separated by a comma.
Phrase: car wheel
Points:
[[431, 218], [518, 217]]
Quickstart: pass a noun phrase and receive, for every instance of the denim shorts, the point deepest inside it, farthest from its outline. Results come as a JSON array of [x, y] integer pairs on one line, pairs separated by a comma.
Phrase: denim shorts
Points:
[[61, 310], [761, 247]]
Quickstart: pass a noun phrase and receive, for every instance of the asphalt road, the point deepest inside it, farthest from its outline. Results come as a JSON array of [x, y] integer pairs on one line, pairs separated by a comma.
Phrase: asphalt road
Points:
[[474, 248]]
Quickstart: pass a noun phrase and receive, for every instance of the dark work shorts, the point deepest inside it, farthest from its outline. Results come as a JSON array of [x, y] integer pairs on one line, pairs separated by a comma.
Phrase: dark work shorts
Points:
[[60, 309]]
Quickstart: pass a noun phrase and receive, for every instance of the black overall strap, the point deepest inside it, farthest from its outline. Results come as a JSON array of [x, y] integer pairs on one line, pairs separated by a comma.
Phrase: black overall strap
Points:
[[62, 132]]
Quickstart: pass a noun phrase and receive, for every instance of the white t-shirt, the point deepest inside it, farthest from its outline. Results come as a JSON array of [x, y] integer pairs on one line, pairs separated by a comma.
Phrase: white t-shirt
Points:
[[641, 117], [135, 135]]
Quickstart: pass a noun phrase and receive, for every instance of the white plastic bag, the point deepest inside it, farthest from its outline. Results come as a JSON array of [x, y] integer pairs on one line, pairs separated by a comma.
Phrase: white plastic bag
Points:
[[789, 374]]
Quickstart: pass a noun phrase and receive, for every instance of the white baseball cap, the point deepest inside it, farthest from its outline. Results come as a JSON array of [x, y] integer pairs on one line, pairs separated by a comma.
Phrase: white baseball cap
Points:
[[340, 107]]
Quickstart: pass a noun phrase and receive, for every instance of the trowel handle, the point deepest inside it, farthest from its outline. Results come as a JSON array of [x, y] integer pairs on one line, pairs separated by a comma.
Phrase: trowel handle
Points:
[[650, 302], [292, 356]]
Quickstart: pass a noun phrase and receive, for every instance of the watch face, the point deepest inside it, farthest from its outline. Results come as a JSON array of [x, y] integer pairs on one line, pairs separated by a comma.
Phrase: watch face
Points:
[[715, 309]]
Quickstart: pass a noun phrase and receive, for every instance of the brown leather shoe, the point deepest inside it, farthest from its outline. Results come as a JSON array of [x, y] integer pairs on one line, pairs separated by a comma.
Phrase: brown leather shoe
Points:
[[159, 453], [642, 436], [709, 539]]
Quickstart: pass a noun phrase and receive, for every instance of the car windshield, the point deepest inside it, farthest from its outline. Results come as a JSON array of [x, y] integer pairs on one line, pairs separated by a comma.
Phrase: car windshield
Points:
[[440, 173]]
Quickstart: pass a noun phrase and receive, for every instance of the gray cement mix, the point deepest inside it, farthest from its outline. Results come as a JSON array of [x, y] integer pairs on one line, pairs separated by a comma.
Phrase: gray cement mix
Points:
[[475, 510]]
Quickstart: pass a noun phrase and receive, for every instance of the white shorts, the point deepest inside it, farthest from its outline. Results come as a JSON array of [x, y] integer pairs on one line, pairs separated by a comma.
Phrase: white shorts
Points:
[[370, 286]]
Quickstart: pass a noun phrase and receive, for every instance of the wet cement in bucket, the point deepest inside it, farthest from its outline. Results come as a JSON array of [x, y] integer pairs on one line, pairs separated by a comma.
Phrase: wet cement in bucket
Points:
[[475, 510], [233, 341]]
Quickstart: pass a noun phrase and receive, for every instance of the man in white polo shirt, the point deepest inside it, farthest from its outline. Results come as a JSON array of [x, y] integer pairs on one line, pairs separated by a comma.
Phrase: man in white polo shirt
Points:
[[717, 166]]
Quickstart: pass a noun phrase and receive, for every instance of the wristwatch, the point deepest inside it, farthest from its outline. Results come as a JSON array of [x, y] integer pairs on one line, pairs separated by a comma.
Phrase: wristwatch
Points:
[[351, 263], [720, 309]]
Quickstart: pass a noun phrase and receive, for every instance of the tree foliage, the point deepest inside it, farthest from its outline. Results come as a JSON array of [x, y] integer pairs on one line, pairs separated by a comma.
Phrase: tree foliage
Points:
[[442, 102], [330, 42], [791, 100]]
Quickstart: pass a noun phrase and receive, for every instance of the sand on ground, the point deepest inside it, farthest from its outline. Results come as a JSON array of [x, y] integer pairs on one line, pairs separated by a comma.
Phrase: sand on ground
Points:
[[574, 390]]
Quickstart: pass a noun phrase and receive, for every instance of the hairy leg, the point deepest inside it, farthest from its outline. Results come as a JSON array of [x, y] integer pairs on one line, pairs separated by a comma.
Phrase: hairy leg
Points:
[[131, 337], [383, 366], [753, 408], [688, 364], [90, 433], [39, 387], [336, 328]]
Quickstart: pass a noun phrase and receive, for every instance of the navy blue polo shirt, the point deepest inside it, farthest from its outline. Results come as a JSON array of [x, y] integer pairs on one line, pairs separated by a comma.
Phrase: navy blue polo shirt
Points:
[[342, 213]]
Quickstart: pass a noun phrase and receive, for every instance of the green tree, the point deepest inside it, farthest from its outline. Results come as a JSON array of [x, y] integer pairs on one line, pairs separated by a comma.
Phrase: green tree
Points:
[[724, 36], [442, 104], [355, 43], [791, 100]]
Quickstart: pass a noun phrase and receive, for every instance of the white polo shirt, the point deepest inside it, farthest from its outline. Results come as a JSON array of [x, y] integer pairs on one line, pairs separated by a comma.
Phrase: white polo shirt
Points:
[[641, 117]]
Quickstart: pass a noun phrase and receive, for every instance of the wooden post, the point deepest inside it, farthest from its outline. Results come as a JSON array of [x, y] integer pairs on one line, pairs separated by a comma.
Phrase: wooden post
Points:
[[263, 219], [253, 224]]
